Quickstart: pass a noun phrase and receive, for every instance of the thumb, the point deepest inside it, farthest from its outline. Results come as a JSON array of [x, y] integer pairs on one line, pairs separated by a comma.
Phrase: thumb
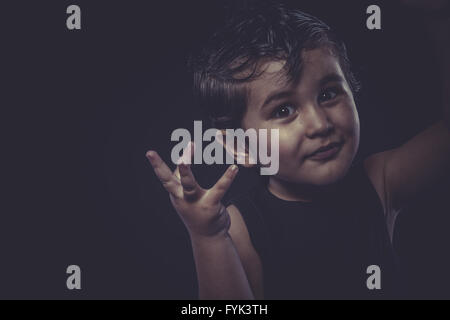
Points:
[[217, 192]]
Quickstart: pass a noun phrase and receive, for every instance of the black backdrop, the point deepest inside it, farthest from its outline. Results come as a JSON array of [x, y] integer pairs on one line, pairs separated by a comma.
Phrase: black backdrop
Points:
[[81, 108]]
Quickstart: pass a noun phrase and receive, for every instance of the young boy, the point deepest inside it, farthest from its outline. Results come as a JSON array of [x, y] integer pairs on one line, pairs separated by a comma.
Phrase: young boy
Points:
[[317, 227]]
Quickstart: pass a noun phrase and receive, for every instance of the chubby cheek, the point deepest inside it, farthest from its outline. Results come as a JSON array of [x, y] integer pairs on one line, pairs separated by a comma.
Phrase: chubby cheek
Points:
[[346, 122], [289, 146], [290, 142], [293, 167]]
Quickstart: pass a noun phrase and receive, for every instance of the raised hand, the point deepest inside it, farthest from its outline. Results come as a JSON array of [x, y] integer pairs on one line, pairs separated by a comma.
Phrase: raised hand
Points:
[[200, 209]]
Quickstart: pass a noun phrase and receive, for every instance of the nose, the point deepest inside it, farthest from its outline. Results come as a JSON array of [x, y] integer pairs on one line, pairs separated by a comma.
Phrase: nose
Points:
[[317, 122]]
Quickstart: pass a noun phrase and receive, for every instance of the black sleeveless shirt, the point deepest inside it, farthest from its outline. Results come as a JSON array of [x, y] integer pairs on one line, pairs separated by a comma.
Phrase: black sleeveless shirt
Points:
[[321, 250]]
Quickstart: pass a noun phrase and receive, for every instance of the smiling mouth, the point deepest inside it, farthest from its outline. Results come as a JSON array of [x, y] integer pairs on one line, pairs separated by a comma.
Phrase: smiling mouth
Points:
[[327, 153]]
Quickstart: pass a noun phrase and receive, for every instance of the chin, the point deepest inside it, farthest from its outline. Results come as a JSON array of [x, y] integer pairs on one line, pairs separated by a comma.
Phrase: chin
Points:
[[327, 173]]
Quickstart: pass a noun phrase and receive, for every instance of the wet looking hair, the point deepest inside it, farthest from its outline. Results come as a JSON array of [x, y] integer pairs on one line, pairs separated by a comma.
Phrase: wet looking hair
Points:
[[269, 32]]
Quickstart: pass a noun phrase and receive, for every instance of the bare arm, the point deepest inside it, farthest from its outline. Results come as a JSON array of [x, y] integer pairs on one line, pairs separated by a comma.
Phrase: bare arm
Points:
[[220, 272], [418, 164], [249, 257], [403, 173], [229, 264], [421, 161]]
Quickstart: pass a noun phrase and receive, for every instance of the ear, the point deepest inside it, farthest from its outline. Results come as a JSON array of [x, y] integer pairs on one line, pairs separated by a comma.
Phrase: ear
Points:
[[239, 152]]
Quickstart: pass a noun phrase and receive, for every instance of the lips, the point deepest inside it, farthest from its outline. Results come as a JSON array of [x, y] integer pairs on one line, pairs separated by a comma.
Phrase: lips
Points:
[[326, 151]]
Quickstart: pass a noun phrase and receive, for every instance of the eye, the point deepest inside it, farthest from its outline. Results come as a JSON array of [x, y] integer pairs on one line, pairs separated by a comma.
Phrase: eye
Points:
[[283, 111], [328, 94]]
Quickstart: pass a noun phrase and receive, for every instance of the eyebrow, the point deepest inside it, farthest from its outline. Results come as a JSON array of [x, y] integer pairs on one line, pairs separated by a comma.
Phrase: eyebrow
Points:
[[331, 77], [276, 96]]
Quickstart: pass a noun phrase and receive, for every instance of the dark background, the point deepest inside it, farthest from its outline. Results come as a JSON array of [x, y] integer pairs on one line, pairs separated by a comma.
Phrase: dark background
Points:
[[81, 108]]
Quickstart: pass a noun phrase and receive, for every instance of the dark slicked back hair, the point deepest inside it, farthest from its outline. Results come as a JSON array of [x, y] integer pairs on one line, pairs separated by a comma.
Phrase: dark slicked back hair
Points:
[[231, 57]]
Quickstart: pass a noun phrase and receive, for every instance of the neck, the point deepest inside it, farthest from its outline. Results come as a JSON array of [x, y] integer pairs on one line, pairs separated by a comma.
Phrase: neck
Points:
[[297, 192]]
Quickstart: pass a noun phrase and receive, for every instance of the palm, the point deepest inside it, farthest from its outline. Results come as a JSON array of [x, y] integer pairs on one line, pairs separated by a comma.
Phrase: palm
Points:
[[200, 209]]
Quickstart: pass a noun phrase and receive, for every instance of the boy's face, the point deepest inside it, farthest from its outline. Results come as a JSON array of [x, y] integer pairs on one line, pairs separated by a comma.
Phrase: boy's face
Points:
[[317, 110]]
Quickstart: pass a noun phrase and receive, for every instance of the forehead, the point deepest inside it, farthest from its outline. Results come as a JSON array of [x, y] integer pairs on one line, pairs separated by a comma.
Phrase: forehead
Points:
[[316, 64]]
